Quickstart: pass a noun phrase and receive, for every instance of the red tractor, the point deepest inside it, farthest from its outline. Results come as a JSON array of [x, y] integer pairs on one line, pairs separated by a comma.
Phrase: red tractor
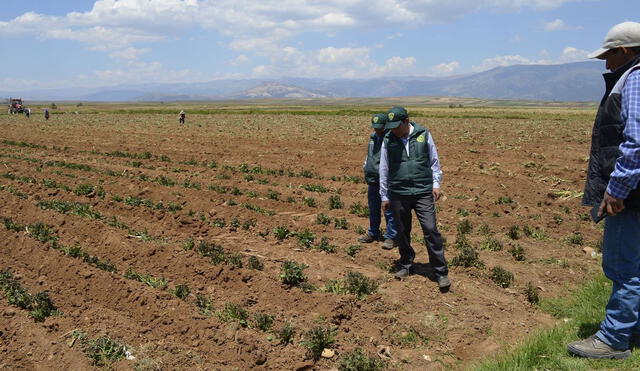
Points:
[[16, 106]]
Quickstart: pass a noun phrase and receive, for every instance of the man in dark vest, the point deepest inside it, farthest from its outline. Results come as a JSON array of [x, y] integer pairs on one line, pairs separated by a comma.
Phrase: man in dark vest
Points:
[[410, 179], [372, 177], [612, 190]]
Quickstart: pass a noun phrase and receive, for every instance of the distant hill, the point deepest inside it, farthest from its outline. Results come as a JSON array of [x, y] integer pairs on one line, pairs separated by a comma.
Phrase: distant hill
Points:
[[277, 90], [580, 81]]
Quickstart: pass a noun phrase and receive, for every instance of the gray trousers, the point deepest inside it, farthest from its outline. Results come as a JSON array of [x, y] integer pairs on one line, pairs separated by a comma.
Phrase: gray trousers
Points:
[[424, 206]]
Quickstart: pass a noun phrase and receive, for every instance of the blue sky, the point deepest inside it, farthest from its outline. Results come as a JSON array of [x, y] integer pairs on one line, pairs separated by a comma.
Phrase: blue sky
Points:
[[71, 43]]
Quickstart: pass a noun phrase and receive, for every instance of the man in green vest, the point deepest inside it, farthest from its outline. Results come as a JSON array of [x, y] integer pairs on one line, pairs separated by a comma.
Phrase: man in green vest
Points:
[[410, 179], [372, 177]]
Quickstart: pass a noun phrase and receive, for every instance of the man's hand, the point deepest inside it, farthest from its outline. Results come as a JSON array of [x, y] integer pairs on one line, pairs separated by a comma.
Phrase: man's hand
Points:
[[385, 205], [436, 194], [611, 205]]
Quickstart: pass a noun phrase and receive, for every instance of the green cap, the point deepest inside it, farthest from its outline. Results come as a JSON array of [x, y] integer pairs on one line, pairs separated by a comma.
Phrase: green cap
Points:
[[395, 116], [378, 120]]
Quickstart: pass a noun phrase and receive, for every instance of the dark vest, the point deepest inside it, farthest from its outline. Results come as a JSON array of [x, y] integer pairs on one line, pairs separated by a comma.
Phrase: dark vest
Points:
[[409, 175], [371, 173], [606, 138]]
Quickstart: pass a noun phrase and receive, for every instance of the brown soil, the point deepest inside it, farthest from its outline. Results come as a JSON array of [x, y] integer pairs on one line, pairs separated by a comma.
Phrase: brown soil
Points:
[[484, 160]]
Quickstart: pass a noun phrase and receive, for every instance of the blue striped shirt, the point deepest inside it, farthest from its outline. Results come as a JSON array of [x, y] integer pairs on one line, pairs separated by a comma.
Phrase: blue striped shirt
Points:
[[626, 174]]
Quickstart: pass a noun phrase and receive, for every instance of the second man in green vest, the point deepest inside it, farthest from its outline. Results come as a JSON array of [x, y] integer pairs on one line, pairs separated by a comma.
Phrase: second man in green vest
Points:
[[372, 177]]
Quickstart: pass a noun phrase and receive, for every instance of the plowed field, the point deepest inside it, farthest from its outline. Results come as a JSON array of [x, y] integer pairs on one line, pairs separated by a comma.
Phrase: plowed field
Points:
[[171, 240]]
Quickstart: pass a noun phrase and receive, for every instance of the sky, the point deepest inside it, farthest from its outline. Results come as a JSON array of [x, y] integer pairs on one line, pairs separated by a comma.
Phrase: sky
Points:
[[83, 43]]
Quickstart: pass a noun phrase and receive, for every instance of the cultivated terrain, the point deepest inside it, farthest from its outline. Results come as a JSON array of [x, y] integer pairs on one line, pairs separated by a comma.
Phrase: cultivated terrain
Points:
[[229, 243]]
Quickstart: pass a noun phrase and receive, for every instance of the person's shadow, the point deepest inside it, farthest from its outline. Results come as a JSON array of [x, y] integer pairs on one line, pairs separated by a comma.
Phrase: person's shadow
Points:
[[425, 270], [587, 329]]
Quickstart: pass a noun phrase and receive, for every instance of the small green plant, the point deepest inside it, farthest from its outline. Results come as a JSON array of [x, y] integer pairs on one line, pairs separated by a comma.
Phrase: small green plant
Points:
[[247, 224], [42, 232], [517, 252], [341, 223], [576, 238], [292, 273], [463, 212], [357, 360], [504, 200], [535, 233], [310, 201], [255, 263], [335, 287], [83, 190], [491, 243], [325, 246], [501, 277], [514, 232], [147, 279], [323, 219], [335, 202], [306, 238], [263, 321], [285, 334], [532, 293], [189, 244], [484, 229], [317, 339], [214, 252], [359, 209], [360, 285], [273, 195], [360, 230], [468, 257], [234, 313], [103, 350], [205, 304], [352, 250], [281, 232], [464, 227], [181, 291]]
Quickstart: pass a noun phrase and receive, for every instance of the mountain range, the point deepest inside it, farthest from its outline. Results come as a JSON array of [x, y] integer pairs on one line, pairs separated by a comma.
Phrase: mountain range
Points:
[[581, 81]]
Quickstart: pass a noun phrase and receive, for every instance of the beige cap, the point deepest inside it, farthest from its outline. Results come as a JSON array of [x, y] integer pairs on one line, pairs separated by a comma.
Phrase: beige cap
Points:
[[622, 34]]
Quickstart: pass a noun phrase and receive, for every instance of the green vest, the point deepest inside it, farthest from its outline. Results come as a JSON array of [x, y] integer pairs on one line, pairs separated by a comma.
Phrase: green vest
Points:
[[409, 175], [371, 173]]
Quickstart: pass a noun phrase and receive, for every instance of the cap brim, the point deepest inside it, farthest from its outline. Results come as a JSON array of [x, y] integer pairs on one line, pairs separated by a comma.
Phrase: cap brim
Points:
[[377, 126], [598, 54], [392, 124]]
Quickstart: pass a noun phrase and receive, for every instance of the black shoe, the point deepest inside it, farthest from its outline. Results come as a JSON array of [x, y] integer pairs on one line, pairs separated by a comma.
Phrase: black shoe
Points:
[[443, 282], [367, 238], [402, 272], [388, 244]]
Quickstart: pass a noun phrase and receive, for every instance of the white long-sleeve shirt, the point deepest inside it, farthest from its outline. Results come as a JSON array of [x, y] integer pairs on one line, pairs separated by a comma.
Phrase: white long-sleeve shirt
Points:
[[384, 163]]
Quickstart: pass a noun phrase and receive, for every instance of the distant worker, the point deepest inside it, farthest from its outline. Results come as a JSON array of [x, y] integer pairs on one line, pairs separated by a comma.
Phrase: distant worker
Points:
[[182, 116], [410, 179], [612, 190], [46, 114], [372, 177], [27, 112]]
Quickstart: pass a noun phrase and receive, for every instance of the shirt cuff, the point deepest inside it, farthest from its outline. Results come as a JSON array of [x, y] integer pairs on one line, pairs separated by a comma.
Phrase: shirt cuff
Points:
[[436, 185], [617, 189]]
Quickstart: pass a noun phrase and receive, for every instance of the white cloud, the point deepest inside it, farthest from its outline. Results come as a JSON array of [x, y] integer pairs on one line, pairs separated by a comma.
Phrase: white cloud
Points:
[[241, 59], [127, 29], [556, 25], [501, 61], [569, 54], [447, 68], [559, 25], [129, 54]]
